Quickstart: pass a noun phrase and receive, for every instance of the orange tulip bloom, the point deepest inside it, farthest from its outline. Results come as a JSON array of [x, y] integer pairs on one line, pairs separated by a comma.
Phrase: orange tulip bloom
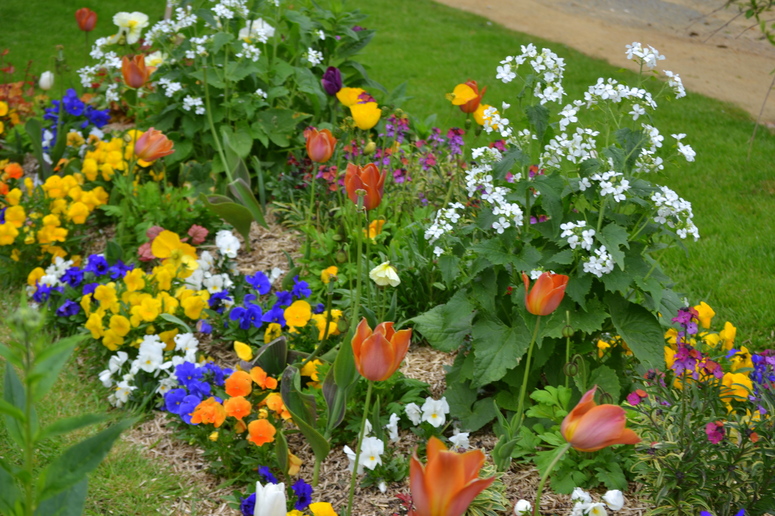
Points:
[[320, 144], [135, 72], [378, 354], [261, 432], [472, 105], [86, 19], [209, 411], [366, 178], [448, 484], [590, 427], [239, 384], [153, 145], [237, 407], [547, 293]]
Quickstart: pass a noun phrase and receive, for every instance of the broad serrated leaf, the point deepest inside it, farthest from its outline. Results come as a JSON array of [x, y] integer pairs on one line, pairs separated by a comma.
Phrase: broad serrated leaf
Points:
[[639, 328], [607, 379], [446, 326], [497, 347], [448, 264], [538, 116], [614, 237], [515, 156], [472, 414]]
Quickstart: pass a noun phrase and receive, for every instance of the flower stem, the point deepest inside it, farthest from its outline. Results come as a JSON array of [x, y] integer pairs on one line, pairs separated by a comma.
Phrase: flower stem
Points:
[[516, 422], [555, 460], [354, 476]]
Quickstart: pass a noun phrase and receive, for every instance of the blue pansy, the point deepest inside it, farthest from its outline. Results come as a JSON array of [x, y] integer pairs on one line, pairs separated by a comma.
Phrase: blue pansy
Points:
[[248, 505], [68, 308], [265, 473], [73, 277], [248, 316], [97, 265], [173, 399], [275, 315], [300, 289], [187, 407], [187, 373], [303, 493], [284, 298], [260, 282]]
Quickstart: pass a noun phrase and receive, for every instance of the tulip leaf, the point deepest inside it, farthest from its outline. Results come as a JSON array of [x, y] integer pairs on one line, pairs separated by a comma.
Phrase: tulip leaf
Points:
[[281, 451], [639, 328], [345, 372], [273, 357], [233, 213], [69, 502], [497, 347], [446, 326], [336, 398], [302, 409]]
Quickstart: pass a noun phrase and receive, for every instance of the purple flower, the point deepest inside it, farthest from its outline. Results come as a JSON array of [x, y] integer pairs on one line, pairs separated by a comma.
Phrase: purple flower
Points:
[[266, 474], [73, 277], [97, 265], [217, 300], [300, 288], [284, 298], [259, 282], [173, 399], [303, 492], [188, 373], [332, 80], [248, 316], [68, 308], [715, 431], [119, 270], [187, 407], [248, 505], [275, 315], [203, 326]]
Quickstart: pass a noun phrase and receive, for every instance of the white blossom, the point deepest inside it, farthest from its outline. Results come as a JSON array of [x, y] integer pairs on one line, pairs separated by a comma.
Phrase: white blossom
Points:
[[414, 413], [371, 452], [435, 411]]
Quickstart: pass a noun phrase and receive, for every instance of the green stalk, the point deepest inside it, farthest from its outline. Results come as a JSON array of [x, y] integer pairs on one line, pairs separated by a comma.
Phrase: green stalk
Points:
[[319, 348], [212, 125], [316, 472], [560, 453], [600, 216], [28, 441], [516, 421], [359, 263], [354, 475]]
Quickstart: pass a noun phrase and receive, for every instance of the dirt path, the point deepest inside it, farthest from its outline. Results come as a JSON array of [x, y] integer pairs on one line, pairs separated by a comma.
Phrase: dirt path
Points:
[[733, 64]]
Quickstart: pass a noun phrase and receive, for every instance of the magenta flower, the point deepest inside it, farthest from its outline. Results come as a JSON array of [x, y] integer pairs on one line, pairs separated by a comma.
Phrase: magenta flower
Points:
[[715, 431]]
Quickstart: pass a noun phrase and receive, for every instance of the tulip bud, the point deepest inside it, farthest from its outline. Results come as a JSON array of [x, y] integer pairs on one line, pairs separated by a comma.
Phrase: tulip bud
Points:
[[46, 81], [546, 294], [86, 19], [135, 72], [153, 145], [368, 180], [320, 144], [332, 80]]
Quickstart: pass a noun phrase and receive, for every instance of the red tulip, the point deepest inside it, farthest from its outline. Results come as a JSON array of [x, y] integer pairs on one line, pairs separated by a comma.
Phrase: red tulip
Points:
[[378, 354], [448, 484], [473, 104], [320, 144], [366, 178], [153, 145], [547, 293], [86, 19], [590, 427], [135, 72]]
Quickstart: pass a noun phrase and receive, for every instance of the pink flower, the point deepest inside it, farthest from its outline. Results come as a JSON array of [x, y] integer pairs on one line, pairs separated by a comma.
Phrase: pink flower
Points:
[[715, 431], [144, 252], [152, 232], [198, 234]]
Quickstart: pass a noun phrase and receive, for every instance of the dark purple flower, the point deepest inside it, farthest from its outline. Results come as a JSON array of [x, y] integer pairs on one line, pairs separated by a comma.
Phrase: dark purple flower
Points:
[[715, 431], [265, 473], [73, 277], [217, 301], [303, 492], [259, 282], [332, 80], [203, 326], [68, 308], [300, 288], [97, 265], [248, 505]]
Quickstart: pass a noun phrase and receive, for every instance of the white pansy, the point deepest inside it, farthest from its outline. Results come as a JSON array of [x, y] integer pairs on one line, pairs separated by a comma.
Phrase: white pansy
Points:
[[435, 411], [106, 378], [392, 427], [227, 243], [579, 495], [351, 457], [614, 499], [117, 360], [596, 509], [371, 452], [460, 440], [523, 508], [414, 413]]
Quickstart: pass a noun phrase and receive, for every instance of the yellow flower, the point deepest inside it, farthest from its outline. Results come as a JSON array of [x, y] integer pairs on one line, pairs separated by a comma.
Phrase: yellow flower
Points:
[[58, 206], [711, 339], [112, 340], [15, 216], [294, 512], [16, 255], [705, 314], [148, 310], [297, 315], [385, 274], [272, 332], [8, 233], [74, 139], [170, 303], [213, 436], [167, 245], [366, 115], [90, 168], [669, 356], [119, 325], [479, 113], [34, 275], [741, 359], [320, 322], [13, 197], [294, 464], [311, 369], [244, 352], [86, 304], [349, 96], [327, 274], [54, 187], [94, 325], [168, 337], [602, 346], [78, 212], [135, 280], [163, 277], [54, 251], [106, 295], [736, 386], [375, 228], [3, 108], [193, 306], [322, 509], [728, 335], [462, 94]]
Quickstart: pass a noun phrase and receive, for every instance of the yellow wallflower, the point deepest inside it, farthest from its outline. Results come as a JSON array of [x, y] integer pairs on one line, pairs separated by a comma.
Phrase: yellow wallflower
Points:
[[727, 335], [297, 315], [705, 314], [326, 275], [8, 233]]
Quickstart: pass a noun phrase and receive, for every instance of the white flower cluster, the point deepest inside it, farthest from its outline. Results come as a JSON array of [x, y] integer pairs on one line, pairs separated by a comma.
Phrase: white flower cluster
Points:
[[184, 18], [599, 263], [647, 57], [120, 374], [170, 87], [230, 8], [675, 212], [612, 90], [249, 51], [493, 121], [256, 29], [313, 57], [547, 66], [432, 411], [675, 82], [205, 276], [584, 505], [685, 150], [227, 243], [195, 103], [261, 93], [372, 449], [443, 222], [577, 148], [107, 60], [611, 183], [197, 47], [577, 235]]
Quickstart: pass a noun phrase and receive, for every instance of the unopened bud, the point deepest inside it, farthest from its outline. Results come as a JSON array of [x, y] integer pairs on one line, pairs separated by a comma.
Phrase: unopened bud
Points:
[[567, 331], [570, 369], [369, 148]]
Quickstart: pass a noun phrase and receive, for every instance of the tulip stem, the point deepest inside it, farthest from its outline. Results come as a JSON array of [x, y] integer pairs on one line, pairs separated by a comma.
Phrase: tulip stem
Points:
[[516, 422], [555, 460], [354, 475]]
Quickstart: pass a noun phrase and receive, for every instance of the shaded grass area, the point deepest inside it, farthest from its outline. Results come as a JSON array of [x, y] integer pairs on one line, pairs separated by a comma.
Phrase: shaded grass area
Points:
[[433, 47], [127, 482]]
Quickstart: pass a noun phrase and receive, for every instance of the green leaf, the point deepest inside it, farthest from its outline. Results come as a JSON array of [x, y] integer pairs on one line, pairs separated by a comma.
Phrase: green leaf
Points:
[[639, 328], [279, 124], [69, 502], [336, 400], [446, 326], [9, 491], [472, 414], [494, 251], [632, 142], [281, 451], [49, 363], [607, 379], [67, 425], [538, 116], [220, 39], [352, 48], [302, 409], [10, 410], [551, 188], [15, 396], [72, 466], [177, 322], [345, 372], [588, 320], [617, 280], [449, 265], [233, 213], [613, 237], [273, 357], [241, 190], [497, 347], [512, 157]]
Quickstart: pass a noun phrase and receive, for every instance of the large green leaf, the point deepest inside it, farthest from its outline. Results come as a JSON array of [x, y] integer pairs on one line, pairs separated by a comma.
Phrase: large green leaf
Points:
[[72, 466], [49, 363], [472, 413], [302, 409], [9, 491], [614, 237], [497, 347], [242, 191], [69, 502], [639, 328], [66, 425], [336, 400], [233, 213], [446, 326], [15, 396]]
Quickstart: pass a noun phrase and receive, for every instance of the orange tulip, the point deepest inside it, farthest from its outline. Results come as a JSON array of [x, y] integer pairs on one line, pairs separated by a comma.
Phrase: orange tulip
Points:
[[547, 293], [473, 104], [366, 178], [590, 427], [320, 144], [378, 354], [153, 145], [135, 72], [448, 484], [86, 19]]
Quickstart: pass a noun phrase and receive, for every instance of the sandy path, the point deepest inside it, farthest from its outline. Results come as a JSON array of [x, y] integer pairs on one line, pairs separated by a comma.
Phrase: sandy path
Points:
[[733, 64]]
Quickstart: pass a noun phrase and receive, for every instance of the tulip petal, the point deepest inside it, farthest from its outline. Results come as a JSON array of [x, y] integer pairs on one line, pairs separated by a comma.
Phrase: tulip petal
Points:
[[464, 497], [602, 426], [420, 497], [376, 358], [362, 332], [400, 342]]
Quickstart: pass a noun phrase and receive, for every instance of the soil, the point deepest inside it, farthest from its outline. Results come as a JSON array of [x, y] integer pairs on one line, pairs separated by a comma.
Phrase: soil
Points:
[[716, 52]]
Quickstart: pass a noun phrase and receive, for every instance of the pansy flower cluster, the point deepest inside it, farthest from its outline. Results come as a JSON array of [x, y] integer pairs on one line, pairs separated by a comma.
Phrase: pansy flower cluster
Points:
[[274, 494], [73, 114]]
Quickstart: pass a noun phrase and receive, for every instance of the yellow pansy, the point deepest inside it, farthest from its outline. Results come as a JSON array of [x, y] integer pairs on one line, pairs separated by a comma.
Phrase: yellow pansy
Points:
[[119, 325], [148, 310], [705, 314], [320, 322], [736, 386], [54, 187], [135, 280], [297, 315], [741, 359], [167, 245], [13, 197], [54, 251], [90, 168], [163, 277], [16, 255], [375, 228], [169, 303], [3, 108], [15, 216], [272, 332], [669, 356], [94, 325], [86, 304], [326, 275], [112, 340], [727, 335], [8, 233], [322, 509], [244, 352], [311, 369], [168, 338], [78, 212], [106, 295], [193, 306], [58, 206], [35, 275]]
